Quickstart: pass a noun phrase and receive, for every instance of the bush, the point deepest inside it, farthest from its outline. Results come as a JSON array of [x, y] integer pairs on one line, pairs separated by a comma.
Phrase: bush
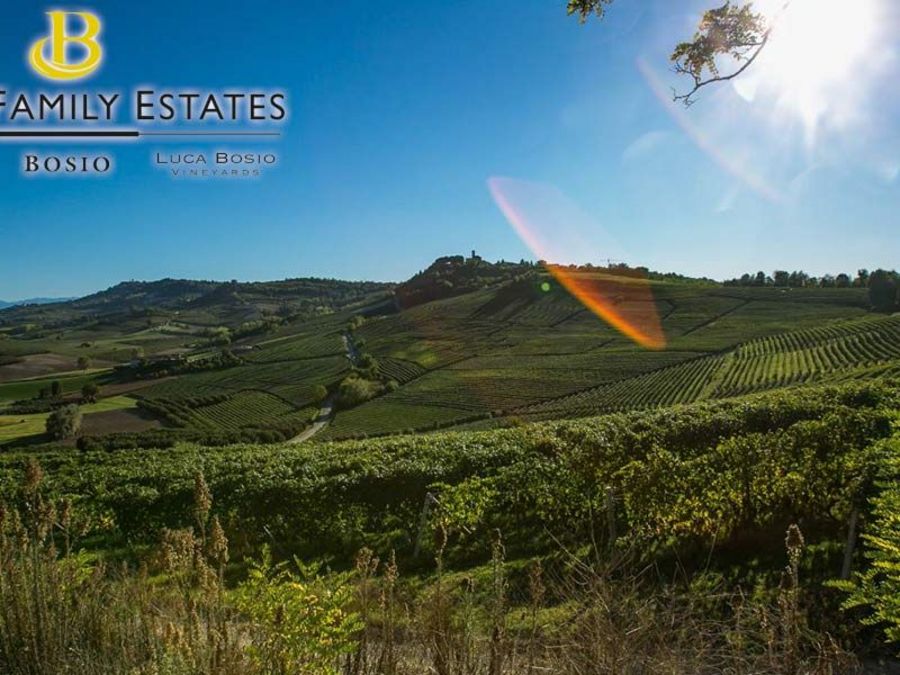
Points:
[[90, 392], [62, 611], [64, 423], [320, 393], [34, 406], [300, 619], [878, 587], [355, 390]]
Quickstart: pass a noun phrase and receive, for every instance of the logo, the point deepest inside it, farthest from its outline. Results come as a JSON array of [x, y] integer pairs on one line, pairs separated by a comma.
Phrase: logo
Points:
[[59, 43]]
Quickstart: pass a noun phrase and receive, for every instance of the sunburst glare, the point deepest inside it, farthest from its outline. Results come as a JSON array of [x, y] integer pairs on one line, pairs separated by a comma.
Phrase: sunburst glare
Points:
[[820, 54]]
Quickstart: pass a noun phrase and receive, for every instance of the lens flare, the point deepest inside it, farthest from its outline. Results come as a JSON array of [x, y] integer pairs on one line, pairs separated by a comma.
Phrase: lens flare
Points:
[[557, 230]]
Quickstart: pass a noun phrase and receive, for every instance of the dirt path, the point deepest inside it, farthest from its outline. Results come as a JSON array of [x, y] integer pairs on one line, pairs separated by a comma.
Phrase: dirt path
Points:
[[326, 412], [350, 346], [322, 420]]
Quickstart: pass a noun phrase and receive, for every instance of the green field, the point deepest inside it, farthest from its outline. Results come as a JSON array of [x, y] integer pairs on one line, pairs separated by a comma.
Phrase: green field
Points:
[[24, 389], [19, 427]]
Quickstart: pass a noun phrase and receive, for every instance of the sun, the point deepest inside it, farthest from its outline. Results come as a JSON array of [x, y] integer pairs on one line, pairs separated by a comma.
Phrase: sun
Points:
[[818, 52]]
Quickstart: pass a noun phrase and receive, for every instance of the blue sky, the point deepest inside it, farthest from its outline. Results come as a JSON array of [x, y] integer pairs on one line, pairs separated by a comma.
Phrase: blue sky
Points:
[[399, 114]]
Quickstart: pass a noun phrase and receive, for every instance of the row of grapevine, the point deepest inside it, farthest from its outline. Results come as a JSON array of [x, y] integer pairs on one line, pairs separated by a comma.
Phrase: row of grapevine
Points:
[[385, 416], [248, 409], [810, 355], [682, 383], [292, 380], [691, 473], [243, 410], [845, 351], [797, 340], [301, 347], [400, 370]]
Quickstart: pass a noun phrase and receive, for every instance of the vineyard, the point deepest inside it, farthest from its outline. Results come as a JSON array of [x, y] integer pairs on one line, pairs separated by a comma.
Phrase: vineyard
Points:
[[298, 348], [294, 381], [380, 417], [845, 351], [399, 370], [256, 409], [521, 350], [536, 354], [693, 473], [683, 383], [505, 426], [816, 353]]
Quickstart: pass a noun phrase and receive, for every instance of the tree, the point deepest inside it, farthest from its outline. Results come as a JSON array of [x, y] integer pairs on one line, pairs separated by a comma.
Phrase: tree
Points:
[[883, 289], [781, 278], [587, 7], [798, 279], [733, 31], [90, 392], [862, 279], [355, 390], [64, 422], [320, 393], [55, 389], [84, 363], [842, 280]]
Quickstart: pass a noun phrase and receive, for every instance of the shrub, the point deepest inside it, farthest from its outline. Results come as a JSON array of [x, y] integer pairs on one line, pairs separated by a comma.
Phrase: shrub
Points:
[[320, 393], [355, 390], [299, 621], [878, 587], [64, 423], [90, 392], [65, 612]]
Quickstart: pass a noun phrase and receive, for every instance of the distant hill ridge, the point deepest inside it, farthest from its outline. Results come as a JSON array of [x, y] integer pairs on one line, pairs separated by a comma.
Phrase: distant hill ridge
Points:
[[32, 301], [212, 302]]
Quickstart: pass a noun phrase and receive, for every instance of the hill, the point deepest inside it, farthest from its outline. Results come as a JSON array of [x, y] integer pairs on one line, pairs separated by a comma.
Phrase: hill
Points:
[[531, 461], [465, 344], [203, 302], [167, 317], [32, 301]]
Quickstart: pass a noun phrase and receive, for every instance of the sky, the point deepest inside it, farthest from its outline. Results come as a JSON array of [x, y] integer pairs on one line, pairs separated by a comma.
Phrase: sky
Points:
[[401, 114]]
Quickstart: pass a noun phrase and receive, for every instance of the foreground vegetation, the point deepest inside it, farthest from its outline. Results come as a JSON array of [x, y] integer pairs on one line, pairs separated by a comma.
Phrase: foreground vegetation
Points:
[[639, 542]]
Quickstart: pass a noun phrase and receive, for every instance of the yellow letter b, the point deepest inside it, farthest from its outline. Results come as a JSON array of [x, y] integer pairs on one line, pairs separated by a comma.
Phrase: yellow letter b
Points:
[[57, 66]]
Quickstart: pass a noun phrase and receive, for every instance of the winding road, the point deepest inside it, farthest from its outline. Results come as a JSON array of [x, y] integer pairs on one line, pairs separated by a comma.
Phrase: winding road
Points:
[[321, 421], [326, 412]]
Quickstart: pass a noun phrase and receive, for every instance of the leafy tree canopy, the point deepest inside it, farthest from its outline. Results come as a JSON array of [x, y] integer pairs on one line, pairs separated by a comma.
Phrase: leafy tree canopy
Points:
[[733, 32]]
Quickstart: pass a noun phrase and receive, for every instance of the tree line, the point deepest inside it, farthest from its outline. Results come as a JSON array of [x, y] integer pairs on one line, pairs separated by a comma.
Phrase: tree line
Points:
[[883, 285]]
